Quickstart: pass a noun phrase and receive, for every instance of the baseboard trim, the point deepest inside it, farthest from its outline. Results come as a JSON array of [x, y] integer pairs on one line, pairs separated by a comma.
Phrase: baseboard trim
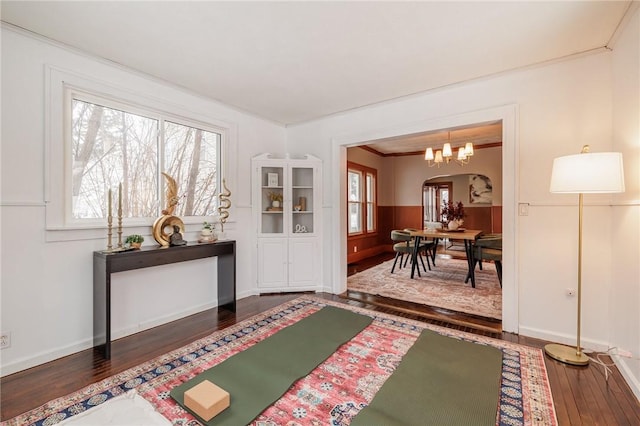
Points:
[[588, 345], [47, 356], [363, 254], [627, 372]]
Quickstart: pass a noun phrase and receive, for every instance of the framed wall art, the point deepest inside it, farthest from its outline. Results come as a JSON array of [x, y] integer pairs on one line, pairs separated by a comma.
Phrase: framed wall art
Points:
[[480, 189]]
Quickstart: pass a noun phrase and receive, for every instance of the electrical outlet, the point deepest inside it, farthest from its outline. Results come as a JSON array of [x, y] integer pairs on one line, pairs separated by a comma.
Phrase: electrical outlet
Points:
[[5, 340], [355, 249]]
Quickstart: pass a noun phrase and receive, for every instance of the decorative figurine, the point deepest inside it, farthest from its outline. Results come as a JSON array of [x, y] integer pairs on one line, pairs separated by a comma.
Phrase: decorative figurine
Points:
[[176, 238], [225, 203], [167, 219]]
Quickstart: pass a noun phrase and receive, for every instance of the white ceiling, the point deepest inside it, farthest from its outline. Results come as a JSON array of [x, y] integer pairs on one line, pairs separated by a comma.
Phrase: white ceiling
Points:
[[480, 134], [296, 61]]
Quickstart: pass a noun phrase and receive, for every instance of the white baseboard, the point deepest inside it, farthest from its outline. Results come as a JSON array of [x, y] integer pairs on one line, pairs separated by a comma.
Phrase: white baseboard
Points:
[[51, 355], [44, 357], [570, 340], [247, 293], [326, 289], [626, 370]]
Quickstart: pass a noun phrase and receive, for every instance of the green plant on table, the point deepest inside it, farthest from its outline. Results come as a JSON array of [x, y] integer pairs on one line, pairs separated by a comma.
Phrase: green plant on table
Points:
[[135, 238]]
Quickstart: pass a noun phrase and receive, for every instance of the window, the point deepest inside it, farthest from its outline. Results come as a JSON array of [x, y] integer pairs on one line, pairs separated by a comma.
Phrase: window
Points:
[[355, 202], [361, 199], [370, 184], [113, 144]]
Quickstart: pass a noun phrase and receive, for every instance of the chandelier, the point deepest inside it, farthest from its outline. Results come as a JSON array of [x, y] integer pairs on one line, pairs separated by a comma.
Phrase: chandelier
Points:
[[445, 155]]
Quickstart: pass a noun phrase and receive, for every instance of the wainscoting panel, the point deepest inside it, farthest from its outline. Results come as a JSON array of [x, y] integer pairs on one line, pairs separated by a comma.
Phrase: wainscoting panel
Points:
[[488, 219], [408, 217]]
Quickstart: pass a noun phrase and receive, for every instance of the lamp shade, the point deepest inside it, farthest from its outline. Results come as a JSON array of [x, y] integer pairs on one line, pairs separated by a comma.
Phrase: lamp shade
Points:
[[468, 149], [597, 172], [461, 154], [428, 154], [446, 150]]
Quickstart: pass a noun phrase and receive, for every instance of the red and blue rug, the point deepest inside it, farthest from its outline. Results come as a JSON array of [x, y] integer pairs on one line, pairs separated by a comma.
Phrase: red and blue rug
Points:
[[333, 393]]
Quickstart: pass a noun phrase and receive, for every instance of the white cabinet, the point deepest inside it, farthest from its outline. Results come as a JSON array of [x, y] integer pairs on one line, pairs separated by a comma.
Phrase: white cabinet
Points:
[[287, 216]]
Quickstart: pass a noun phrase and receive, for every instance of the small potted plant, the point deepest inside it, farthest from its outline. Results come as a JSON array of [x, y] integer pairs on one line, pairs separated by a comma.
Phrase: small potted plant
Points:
[[207, 233], [134, 241], [276, 199]]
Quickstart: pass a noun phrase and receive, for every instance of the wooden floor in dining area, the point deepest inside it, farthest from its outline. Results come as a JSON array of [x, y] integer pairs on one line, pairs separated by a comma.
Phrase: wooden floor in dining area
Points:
[[582, 396], [435, 315]]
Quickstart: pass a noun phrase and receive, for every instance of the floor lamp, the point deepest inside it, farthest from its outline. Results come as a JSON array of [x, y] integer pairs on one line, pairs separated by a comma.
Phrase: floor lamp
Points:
[[584, 173]]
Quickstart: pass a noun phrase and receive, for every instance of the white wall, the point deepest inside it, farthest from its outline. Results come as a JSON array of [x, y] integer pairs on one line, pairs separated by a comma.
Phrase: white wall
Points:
[[47, 286], [559, 107], [624, 312]]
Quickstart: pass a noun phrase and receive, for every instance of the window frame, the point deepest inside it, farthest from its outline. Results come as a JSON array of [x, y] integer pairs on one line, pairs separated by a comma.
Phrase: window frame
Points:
[[162, 118], [358, 202], [374, 203], [59, 85], [364, 171]]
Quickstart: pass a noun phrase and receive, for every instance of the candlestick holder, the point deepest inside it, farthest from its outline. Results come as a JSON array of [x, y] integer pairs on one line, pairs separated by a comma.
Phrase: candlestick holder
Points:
[[120, 216], [109, 232]]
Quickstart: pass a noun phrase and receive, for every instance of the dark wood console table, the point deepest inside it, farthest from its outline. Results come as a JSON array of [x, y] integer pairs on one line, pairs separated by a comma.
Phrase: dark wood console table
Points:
[[104, 264]]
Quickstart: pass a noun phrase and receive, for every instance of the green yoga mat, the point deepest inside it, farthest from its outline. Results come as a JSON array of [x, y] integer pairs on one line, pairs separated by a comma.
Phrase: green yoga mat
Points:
[[440, 381], [258, 376]]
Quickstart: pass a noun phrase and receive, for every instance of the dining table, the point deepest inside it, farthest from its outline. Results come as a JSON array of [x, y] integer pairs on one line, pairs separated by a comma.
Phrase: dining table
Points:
[[467, 235]]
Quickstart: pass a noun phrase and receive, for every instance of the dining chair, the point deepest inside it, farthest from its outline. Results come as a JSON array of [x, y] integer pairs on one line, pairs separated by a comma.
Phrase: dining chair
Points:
[[403, 245], [489, 248], [427, 246]]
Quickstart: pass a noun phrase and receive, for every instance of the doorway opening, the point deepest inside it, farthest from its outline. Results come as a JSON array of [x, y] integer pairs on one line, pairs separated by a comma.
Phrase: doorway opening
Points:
[[434, 196], [506, 116]]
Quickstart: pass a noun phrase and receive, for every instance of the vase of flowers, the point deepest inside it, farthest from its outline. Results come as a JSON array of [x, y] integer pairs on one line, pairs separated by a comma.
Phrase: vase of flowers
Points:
[[453, 215]]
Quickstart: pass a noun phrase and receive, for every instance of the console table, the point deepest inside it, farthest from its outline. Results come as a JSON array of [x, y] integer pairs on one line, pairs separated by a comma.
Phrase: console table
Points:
[[104, 264]]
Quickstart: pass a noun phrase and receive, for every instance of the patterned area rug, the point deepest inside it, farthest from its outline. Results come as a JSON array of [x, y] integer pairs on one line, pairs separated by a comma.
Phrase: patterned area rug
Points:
[[443, 286], [332, 394]]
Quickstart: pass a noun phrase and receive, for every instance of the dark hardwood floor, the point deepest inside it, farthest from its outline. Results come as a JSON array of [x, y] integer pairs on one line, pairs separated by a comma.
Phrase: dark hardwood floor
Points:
[[581, 395]]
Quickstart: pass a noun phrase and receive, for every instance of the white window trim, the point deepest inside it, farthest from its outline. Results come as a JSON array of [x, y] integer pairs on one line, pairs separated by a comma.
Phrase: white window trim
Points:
[[59, 86], [360, 202]]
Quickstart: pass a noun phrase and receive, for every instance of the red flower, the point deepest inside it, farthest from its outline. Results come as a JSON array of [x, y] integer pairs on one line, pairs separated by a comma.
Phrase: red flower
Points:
[[451, 211]]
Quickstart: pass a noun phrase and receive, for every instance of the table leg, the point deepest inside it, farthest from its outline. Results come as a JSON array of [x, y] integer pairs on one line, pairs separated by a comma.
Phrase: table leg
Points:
[[414, 256], [436, 241], [468, 248]]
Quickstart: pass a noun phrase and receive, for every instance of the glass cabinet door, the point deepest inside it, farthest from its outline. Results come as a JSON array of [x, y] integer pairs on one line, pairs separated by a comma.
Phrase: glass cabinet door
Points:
[[302, 187], [272, 200]]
